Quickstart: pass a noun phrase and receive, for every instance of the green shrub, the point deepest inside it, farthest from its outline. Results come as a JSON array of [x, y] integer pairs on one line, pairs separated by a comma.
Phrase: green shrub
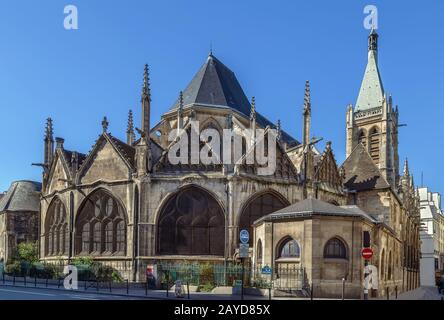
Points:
[[207, 287], [207, 274], [13, 268], [28, 252]]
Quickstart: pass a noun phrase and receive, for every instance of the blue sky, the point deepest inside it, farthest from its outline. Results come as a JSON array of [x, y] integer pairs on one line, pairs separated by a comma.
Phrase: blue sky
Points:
[[77, 77]]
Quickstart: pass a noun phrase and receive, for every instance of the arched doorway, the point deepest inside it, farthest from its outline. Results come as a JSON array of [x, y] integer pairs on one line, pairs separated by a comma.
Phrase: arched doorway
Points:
[[191, 223], [259, 206], [101, 226]]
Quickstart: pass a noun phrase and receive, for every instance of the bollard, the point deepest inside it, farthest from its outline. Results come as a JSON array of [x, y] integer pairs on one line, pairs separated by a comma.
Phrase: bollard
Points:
[[188, 290], [269, 293], [146, 286], [396, 292], [127, 286], [343, 288], [387, 293], [168, 283], [311, 292], [13, 280]]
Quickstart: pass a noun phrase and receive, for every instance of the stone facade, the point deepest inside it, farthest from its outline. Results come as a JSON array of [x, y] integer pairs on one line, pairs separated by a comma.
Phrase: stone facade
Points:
[[19, 217], [127, 205]]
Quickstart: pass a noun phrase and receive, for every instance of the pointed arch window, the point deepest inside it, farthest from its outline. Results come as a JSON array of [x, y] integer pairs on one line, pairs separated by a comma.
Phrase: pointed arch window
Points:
[[289, 249], [374, 138], [362, 138], [56, 229], [259, 252], [335, 249], [101, 228]]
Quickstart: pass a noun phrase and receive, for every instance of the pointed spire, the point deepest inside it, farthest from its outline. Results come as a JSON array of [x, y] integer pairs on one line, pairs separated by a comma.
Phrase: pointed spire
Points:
[[180, 102], [279, 131], [146, 102], [49, 143], [307, 97], [306, 114], [130, 136], [180, 114], [105, 125], [406, 168], [253, 109]]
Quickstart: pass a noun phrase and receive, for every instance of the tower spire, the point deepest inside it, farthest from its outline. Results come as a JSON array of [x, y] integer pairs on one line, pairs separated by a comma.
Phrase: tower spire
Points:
[[130, 136], [146, 102], [406, 168], [307, 114]]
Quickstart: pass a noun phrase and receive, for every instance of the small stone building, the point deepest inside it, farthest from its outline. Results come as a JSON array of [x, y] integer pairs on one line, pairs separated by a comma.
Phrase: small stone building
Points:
[[19, 217]]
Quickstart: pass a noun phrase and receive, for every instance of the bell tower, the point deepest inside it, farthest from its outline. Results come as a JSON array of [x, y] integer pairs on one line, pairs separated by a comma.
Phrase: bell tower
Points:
[[373, 121]]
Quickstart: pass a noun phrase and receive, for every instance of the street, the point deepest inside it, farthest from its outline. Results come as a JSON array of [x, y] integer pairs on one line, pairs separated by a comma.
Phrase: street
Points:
[[22, 293]]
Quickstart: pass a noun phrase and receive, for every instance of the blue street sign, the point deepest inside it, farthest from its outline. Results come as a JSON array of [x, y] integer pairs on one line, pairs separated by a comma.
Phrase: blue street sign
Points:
[[244, 236], [266, 270]]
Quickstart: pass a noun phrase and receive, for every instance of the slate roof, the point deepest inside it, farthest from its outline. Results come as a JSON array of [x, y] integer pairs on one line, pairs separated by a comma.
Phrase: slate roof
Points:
[[22, 196], [314, 207], [68, 156], [216, 85], [361, 173], [129, 152]]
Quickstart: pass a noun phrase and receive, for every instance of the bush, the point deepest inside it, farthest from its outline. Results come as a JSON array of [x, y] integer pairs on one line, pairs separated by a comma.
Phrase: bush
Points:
[[28, 252], [44, 271], [207, 274], [13, 268], [207, 287]]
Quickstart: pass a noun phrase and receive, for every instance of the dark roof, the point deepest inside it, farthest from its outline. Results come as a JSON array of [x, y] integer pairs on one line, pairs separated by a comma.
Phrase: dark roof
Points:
[[68, 157], [216, 85], [361, 173], [311, 207], [129, 152], [22, 196]]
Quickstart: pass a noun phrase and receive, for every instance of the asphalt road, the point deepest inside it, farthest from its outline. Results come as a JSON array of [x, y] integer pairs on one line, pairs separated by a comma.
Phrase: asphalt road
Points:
[[21, 293]]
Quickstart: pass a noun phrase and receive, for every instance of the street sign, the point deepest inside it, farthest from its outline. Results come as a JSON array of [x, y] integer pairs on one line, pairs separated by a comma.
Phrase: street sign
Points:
[[367, 253], [266, 270], [244, 250], [244, 236]]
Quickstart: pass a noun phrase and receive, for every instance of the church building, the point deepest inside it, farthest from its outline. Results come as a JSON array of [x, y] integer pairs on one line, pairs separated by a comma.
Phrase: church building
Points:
[[127, 205]]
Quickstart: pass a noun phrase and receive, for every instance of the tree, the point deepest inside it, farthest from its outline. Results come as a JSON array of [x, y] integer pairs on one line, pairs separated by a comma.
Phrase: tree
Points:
[[28, 252]]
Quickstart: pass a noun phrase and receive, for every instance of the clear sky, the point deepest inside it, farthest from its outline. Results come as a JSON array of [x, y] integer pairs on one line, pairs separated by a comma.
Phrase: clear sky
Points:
[[78, 76]]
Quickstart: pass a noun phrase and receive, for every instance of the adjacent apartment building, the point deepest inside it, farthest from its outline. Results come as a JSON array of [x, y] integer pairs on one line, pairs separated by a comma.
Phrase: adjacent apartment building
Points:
[[432, 236]]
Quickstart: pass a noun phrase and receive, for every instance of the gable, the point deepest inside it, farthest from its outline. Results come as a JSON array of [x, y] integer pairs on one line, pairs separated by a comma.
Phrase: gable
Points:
[[104, 164], [327, 170], [57, 180]]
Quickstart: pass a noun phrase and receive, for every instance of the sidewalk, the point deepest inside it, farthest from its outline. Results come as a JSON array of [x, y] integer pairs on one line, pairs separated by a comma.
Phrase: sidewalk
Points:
[[124, 292], [422, 293]]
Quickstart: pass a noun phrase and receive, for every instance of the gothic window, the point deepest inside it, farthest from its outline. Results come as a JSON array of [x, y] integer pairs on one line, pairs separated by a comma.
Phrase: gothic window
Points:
[[56, 229], [335, 249], [101, 226], [289, 249], [109, 237], [390, 267], [362, 138], [259, 252], [86, 238], [258, 207], [374, 144], [191, 223]]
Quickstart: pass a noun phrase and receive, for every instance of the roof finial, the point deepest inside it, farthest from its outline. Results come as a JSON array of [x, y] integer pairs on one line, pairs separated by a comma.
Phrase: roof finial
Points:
[[373, 40], [307, 97], [146, 82], [130, 135], [279, 130], [105, 124], [211, 48], [180, 102], [253, 109], [406, 168], [49, 129]]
